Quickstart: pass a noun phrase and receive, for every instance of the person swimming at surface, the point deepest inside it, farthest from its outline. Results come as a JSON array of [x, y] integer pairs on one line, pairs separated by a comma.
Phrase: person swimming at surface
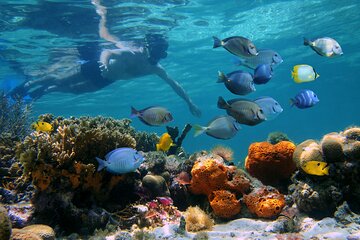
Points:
[[125, 62]]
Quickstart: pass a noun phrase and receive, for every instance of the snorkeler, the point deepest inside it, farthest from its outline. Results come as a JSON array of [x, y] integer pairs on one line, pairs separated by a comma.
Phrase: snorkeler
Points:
[[92, 72]]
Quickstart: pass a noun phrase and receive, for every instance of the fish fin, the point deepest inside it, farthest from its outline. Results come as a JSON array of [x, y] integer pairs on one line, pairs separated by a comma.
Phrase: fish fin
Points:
[[217, 42], [101, 164], [326, 169], [222, 104], [292, 102], [134, 112], [238, 61], [198, 130], [307, 42], [221, 77]]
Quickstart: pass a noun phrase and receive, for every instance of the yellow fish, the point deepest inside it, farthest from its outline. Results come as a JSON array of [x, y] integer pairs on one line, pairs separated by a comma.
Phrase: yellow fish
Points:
[[42, 126], [304, 73], [165, 143], [316, 168]]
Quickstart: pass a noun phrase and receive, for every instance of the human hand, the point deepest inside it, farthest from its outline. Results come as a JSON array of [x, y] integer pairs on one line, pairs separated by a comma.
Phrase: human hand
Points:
[[195, 110], [103, 69]]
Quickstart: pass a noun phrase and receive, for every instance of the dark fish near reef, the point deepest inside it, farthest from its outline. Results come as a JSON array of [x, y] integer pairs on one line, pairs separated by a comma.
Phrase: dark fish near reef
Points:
[[264, 57], [237, 45], [262, 74], [305, 99], [270, 107], [244, 111], [153, 116], [121, 160], [222, 127], [238, 82], [325, 46]]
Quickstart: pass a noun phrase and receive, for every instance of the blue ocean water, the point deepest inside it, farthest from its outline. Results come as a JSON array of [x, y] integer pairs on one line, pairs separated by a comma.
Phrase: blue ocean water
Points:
[[36, 33]]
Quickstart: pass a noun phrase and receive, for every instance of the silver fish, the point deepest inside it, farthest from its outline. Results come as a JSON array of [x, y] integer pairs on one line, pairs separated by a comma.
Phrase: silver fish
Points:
[[237, 45], [264, 57], [221, 127], [152, 116], [121, 160], [244, 111], [325, 46]]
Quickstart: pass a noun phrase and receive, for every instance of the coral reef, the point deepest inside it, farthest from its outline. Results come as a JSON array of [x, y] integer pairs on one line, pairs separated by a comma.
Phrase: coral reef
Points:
[[276, 137], [320, 196], [61, 165], [197, 220], [5, 224], [271, 164], [265, 202]]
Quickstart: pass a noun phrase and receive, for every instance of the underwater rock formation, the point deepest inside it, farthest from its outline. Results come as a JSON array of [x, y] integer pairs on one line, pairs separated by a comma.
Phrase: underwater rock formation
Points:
[[269, 163], [319, 196], [156, 185], [224, 203]]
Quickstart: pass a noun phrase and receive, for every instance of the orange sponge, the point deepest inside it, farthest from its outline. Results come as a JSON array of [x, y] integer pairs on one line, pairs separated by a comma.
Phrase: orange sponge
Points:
[[224, 203], [265, 202], [270, 163]]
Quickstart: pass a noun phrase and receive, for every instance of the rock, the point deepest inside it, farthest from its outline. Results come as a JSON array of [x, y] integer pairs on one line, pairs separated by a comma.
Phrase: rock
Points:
[[156, 184], [19, 234]]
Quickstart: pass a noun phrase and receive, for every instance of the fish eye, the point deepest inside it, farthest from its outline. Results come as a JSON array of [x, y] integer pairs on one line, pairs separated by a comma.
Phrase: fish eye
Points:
[[276, 103], [318, 164], [276, 55]]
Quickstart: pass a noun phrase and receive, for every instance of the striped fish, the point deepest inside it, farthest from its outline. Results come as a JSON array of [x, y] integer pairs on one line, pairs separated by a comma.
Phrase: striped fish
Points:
[[152, 116], [121, 160], [305, 99]]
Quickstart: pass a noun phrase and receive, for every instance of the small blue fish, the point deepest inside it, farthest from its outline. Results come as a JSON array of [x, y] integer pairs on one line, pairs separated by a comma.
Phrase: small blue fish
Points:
[[271, 108], [152, 116], [238, 82], [121, 160], [262, 74], [221, 127], [305, 99]]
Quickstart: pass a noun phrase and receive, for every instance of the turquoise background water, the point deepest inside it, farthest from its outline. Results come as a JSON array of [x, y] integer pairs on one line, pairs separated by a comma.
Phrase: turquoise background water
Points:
[[31, 31]]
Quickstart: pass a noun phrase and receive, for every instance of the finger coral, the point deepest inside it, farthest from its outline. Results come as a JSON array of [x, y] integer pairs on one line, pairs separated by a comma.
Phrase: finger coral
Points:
[[265, 202], [270, 163]]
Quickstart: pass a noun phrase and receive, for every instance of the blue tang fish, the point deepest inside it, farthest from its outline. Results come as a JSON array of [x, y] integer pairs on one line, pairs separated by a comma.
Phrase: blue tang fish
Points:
[[238, 82], [271, 108], [305, 99], [121, 160], [262, 74]]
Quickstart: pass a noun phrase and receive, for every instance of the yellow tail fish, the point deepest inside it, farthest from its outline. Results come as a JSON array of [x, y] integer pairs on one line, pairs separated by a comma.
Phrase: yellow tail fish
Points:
[[165, 143], [316, 168]]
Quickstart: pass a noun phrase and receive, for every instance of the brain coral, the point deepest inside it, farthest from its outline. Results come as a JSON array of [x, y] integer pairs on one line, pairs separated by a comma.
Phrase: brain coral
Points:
[[224, 203], [265, 202], [270, 163]]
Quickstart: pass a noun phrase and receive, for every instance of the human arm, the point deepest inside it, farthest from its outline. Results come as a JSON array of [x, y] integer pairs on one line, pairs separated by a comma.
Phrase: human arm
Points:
[[160, 71]]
